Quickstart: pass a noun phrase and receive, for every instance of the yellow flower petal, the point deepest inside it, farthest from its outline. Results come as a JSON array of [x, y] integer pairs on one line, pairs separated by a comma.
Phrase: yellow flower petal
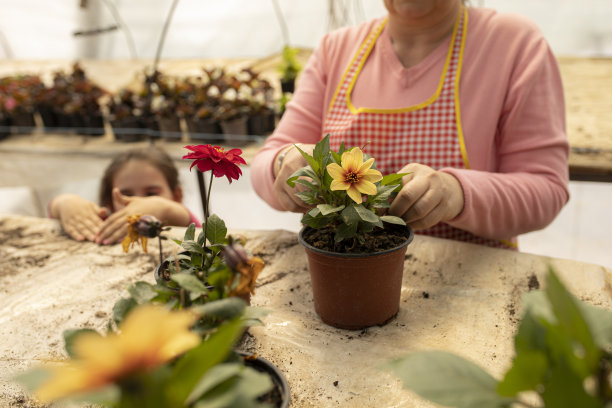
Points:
[[354, 194], [336, 172], [366, 165], [372, 175], [339, 185], [352, 160], [365, 187]]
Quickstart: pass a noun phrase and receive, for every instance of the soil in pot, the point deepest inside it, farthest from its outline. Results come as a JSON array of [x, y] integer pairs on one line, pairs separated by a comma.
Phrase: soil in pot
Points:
[[355, 290], [376, 241]]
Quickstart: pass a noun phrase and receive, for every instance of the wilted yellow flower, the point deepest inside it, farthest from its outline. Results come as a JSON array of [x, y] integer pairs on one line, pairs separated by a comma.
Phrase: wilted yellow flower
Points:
[[248, 271], [355, 176], [149, 337], [133, 236]]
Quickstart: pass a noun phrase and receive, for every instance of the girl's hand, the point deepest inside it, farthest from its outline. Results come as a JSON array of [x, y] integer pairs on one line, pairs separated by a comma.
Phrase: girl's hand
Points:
[[427, 197], [80, 218], [115, 227], [291, 162]]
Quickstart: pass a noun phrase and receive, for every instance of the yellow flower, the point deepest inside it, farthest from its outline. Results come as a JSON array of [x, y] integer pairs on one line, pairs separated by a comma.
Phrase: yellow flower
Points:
[[149, 337], [133, 236], [355, 176]]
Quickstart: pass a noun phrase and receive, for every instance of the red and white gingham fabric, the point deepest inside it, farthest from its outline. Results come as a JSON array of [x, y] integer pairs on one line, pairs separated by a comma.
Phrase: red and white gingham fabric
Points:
[[428, 135]]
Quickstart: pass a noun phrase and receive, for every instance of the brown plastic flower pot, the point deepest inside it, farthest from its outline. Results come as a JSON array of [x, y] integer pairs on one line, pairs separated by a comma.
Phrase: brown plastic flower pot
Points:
[[355, 291]]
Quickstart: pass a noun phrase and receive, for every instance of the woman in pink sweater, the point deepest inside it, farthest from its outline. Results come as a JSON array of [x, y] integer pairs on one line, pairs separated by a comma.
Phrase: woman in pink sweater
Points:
[[468, 101]]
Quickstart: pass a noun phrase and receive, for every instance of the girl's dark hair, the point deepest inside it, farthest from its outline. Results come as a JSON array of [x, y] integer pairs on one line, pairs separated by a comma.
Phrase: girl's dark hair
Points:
[[153, 155]]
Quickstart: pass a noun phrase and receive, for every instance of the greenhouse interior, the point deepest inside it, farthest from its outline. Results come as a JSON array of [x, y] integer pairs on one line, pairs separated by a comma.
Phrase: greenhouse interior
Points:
[[332, 203]]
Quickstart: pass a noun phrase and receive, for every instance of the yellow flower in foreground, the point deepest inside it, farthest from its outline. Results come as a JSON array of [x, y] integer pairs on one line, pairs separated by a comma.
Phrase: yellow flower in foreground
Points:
[[355, 176], [133, 236], [149, 337]]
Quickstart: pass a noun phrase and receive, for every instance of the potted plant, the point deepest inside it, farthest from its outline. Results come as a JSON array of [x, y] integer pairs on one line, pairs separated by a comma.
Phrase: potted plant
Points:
[[19, 96], [212, 274], [289, 68], [72, 103], [197, 108], [127, 110], [563, 358], [355, 252]]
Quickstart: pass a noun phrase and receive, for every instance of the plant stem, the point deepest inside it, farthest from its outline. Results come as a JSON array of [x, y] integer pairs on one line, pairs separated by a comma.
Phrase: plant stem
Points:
[[160, 250], [206, 215]]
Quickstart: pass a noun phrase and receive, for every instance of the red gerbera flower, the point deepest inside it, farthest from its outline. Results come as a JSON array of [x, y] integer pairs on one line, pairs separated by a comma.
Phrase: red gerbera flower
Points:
[[221, 162]]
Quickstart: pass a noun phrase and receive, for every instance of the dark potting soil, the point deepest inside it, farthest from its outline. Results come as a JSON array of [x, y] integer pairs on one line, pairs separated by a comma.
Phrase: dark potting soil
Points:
[[376, 241]]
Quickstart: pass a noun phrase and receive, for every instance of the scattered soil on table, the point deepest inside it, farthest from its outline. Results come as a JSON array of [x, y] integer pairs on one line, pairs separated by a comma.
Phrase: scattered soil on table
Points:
[[376, 241]]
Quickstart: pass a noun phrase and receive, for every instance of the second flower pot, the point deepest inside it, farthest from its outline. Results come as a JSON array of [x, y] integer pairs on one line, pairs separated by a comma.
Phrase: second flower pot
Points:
[[355, 291]]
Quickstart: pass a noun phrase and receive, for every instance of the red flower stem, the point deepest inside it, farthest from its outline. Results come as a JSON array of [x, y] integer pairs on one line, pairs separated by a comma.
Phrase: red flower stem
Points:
[[206, 210]]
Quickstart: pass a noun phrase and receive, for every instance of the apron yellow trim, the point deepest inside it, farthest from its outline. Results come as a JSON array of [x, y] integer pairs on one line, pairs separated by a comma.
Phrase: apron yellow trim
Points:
[[374, 34], [464, 155], [421, 105]]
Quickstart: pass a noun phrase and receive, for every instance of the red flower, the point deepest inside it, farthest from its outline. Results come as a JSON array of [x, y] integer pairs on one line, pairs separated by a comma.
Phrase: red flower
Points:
[[221, 162]]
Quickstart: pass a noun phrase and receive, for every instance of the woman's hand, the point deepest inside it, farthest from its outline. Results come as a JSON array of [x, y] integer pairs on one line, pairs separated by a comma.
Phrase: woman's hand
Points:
[[291, 162], [115, 227], [427, 197], [80, 218]]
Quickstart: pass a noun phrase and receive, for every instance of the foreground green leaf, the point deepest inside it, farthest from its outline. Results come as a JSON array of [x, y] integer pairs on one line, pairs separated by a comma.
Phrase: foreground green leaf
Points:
[[448, 379]]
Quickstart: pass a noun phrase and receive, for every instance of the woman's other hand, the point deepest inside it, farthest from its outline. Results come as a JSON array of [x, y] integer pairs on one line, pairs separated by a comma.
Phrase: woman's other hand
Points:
[[291, 162], [80, 218], [427, 197]]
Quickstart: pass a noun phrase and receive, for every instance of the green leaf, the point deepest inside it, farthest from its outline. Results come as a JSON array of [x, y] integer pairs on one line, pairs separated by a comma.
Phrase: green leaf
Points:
[[350, 215], [366, 215], [314, 165], [565, 389], [71, 335], [192, 246], [307, 183], [528, 370], [448, 379], [216, 230], [391, 219], [321, 154], [392, 179], [238, 392], [215, 376], [600, 324], [122, 307], [190, 283], [383, 195], [142, 292], [531, 335], [329, 209], [309, 197], [315, 222], [345, 231], [189, 232], [197, 361], [565, 307], [227, 308]]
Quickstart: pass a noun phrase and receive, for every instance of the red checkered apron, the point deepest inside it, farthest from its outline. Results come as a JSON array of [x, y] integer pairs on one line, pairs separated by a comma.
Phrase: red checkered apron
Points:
[[429, 133]]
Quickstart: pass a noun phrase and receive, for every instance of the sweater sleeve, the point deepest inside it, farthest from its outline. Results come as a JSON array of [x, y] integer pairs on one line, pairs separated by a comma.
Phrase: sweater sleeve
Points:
[[300, 123], [528, 188]]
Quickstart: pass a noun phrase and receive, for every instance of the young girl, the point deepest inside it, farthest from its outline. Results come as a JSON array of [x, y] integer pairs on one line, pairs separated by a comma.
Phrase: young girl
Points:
[[138, 181]]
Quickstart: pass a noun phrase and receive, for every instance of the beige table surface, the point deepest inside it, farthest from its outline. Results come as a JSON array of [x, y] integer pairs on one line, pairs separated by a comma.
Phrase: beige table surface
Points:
[[455, 296]]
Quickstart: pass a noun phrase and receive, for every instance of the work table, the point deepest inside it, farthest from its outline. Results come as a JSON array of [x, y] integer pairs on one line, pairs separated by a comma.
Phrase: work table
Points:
[[456, 296]]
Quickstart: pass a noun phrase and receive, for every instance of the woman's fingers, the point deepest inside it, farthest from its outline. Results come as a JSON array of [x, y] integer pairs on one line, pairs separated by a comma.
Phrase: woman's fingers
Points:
[[427, 197]]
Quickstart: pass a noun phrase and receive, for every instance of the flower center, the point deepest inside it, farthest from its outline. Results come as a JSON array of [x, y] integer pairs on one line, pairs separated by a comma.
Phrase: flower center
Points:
[[351, 177]]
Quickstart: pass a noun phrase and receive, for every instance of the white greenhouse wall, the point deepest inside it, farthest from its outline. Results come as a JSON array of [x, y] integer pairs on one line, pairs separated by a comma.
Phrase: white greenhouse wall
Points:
[[42, 29]]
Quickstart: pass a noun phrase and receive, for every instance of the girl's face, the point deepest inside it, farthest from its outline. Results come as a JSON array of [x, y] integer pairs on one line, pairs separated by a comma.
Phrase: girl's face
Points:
[[142, 179]]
